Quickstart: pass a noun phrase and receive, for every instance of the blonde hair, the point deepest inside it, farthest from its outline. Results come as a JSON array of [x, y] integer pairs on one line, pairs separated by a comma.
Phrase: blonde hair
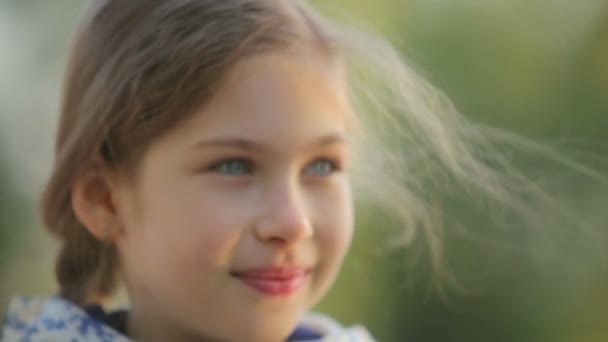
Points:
[[138, 67]]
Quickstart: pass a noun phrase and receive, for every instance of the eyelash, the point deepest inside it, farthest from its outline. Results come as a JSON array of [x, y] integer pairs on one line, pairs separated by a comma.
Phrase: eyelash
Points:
[[247, 166]]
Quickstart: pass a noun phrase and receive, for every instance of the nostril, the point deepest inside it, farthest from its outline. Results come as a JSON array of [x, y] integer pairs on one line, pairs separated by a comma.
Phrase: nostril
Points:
[[277, 240]]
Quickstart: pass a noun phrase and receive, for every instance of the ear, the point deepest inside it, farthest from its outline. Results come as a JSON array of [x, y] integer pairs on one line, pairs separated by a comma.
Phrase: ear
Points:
[[92, 201]]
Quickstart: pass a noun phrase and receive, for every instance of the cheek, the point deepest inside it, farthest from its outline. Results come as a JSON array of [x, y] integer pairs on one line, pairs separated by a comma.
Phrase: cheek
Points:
[[333, 220], [184, 229], [334, 217]]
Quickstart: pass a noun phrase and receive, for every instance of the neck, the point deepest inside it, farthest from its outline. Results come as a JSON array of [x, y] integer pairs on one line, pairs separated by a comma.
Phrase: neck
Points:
[[152, 328]]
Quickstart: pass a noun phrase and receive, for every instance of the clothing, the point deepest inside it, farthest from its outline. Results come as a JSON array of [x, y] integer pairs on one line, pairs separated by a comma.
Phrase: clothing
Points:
[[56, 319]]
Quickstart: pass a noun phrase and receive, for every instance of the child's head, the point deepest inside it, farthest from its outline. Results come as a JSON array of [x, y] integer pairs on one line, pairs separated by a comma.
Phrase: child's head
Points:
[[202, 154], [204, 150]]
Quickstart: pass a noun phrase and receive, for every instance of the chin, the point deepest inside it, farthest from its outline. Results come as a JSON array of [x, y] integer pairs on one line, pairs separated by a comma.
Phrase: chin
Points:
[[266, 330], [260, 334]]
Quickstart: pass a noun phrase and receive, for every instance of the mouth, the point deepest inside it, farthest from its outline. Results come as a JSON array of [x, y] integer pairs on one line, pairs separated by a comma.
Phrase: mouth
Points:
[[274, 281]]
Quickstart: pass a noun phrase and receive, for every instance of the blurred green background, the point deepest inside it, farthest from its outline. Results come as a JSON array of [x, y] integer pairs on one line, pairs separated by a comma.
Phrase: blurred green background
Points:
[[538, 68]]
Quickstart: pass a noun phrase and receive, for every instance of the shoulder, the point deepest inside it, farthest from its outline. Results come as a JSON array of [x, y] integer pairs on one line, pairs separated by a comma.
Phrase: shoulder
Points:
[[53, 319], [332, 331]]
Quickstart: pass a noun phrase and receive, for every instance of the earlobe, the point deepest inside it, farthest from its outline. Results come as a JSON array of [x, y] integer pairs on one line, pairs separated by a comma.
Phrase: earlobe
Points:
[[92, 203]]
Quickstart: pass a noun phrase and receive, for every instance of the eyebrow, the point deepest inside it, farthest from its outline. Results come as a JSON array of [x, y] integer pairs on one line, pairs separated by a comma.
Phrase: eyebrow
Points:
[[245, 144]]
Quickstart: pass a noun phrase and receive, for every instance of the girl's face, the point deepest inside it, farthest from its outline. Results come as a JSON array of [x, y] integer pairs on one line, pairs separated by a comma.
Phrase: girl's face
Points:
[[238, 219]]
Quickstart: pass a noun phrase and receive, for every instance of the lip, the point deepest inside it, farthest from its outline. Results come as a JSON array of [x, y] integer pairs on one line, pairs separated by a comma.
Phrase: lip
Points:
[[274, 281]]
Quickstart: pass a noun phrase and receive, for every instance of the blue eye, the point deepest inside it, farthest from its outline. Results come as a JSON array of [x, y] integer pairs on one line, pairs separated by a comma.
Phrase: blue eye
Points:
[[321, 167], [233, 167]]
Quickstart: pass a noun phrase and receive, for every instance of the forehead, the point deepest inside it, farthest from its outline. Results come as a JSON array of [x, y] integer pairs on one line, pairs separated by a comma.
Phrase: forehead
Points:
[[306, 74], [289, 97]]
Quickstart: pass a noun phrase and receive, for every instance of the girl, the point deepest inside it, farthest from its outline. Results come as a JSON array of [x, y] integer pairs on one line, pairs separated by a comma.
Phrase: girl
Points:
[[205, 157]]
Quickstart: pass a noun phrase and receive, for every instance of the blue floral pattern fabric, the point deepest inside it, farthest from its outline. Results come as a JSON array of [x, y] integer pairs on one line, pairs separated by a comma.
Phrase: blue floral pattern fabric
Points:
[[51, 319]]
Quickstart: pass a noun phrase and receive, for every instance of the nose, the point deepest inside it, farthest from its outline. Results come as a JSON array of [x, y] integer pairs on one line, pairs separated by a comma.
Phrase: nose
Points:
[[286, 219]]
